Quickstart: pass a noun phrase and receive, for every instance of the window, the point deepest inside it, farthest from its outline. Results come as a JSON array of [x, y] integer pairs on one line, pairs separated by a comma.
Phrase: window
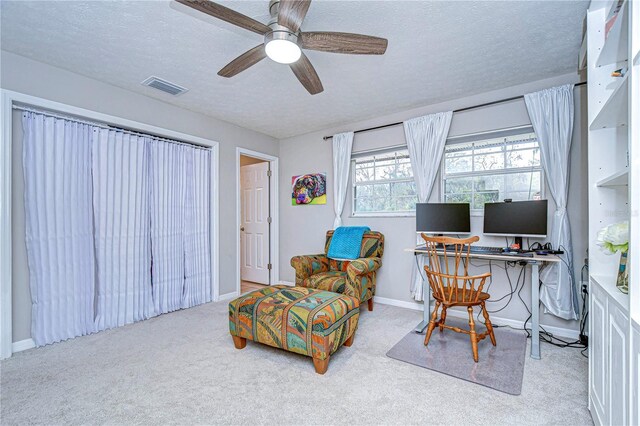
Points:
[[383, 183], [492, 170]]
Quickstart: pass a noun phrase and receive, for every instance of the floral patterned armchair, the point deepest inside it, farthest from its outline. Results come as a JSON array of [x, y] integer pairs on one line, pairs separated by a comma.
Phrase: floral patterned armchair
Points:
[[355, 278]]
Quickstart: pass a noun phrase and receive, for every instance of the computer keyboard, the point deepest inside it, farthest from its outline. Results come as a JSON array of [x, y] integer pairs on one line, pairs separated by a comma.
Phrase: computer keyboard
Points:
[[474, 249], [486, 249]]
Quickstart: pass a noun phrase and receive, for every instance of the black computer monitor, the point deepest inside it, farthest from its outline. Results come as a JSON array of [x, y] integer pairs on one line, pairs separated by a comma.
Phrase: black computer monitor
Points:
[[516, 219], [443, 218]]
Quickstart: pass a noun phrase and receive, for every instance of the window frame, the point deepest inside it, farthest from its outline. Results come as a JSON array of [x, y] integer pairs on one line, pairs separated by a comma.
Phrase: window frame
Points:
[[364, 154], [503, 171]]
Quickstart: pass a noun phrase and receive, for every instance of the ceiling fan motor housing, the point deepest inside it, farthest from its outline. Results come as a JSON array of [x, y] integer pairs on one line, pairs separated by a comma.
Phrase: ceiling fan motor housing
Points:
[[281, 33], [278, 32], [281, 43]]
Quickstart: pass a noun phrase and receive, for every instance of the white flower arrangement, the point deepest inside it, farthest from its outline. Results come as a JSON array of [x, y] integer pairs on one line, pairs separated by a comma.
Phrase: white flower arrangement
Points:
[[614, 238]]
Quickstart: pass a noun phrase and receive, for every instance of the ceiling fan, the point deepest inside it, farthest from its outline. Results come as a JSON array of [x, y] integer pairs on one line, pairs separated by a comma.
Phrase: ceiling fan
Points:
[[283, 39]]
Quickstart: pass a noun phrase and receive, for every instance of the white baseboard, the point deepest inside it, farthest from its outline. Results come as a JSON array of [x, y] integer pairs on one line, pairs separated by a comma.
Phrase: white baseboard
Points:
[[289, 283], [556, 331], [227, 296], [399, 303], [22, 345]]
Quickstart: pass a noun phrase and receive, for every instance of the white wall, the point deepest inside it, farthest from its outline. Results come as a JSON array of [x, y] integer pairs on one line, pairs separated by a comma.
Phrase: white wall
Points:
[[34, 78], [304, 227]]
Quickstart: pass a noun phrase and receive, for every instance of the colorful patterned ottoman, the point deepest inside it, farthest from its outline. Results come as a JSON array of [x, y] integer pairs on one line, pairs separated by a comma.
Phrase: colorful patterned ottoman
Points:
[[303, 320]]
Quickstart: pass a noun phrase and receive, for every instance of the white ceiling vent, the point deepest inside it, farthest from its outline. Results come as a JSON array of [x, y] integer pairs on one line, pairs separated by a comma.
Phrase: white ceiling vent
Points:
[[164, 85]]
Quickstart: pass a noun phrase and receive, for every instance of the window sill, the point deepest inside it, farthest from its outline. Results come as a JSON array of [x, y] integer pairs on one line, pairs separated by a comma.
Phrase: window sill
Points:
[[382, 215]]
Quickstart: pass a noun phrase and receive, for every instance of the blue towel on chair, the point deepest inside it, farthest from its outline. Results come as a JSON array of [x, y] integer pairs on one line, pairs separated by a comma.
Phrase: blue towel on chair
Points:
[[346, 242]]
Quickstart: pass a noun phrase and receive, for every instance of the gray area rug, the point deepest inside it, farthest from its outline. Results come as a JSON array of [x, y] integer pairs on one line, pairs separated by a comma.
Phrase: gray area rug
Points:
[[500, 367]]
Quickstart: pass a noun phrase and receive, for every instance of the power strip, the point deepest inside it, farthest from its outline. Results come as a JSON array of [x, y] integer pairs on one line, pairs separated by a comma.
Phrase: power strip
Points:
[[584, 339]]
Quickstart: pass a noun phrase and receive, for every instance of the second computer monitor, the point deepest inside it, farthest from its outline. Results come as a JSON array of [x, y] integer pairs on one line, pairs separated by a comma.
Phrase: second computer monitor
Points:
[[443, 218], [516, 219]]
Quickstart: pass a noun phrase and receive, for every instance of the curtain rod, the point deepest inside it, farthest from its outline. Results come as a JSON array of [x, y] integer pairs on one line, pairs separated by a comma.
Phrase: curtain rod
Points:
[[455, 110], [103, 126]]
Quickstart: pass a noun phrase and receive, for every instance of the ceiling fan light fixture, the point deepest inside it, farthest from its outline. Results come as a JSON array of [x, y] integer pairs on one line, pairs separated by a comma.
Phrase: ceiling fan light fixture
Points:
[[282, 47], [283, 39]]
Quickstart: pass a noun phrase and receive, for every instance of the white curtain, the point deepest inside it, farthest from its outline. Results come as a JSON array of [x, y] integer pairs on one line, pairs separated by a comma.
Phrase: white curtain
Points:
[[342, 145], [122, 231], [168, 185], [426, 137], [117, 226], [551, 112], [59, 227], [197, 250]]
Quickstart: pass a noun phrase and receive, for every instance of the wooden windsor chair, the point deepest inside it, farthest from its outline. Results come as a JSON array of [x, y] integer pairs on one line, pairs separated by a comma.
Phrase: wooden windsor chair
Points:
[[453, 286]]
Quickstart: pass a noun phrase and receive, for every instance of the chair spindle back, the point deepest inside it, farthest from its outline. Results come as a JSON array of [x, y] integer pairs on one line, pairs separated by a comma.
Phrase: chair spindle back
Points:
[[452, 284]]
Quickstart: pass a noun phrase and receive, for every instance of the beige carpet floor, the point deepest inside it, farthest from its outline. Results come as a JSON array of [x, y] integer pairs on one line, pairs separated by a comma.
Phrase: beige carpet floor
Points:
[[182, 368]]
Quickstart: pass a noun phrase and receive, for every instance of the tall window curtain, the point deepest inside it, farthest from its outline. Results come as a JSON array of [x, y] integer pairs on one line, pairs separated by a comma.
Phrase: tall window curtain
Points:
[[59, 227], [342, 145], [168, 186], [197, 253], [122, 228], [426, 137], [551, 112]]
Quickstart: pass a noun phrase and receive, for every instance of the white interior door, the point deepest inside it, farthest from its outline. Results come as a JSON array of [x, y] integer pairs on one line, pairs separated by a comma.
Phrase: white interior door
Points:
[[254, 231]]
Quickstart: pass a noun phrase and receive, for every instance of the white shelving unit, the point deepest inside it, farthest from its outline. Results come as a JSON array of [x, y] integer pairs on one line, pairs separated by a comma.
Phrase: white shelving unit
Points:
[[634, 204], [614, 112], [608, 284], [620, 178], [616, 45], [614, 196]]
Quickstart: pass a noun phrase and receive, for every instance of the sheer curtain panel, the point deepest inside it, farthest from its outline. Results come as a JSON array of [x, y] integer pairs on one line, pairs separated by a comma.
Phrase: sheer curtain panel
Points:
[[197, 250], [551, 113], [168, 185], [122, 228], [342, 145], [426, 137], [59, 227]]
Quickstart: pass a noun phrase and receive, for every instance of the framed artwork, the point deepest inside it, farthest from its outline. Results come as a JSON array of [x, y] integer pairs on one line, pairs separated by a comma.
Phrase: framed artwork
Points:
[[309, 189]]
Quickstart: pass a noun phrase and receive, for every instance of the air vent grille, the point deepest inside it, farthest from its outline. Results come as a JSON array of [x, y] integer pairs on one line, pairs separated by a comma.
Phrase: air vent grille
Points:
[[164, 85]]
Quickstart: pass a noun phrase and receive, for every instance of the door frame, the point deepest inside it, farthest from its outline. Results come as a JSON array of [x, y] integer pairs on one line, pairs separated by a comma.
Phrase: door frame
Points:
[[274, 231], [10, 98]]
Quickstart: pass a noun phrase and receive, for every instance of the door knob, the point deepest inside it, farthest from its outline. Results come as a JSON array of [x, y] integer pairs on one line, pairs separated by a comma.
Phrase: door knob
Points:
[[242, 228]]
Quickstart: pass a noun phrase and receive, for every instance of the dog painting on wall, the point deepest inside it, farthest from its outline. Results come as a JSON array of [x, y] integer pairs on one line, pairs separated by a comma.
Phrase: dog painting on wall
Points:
[[309, 189]]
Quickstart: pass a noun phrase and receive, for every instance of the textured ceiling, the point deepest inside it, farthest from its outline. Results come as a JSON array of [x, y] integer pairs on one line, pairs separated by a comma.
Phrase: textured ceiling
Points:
[[438, 50]]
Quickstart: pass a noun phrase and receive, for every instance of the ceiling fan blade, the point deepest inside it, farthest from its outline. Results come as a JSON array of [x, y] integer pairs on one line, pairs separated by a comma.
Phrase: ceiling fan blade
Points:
[[291, 13], [244, 61], [307, 75], [355, 44], [226, 14]]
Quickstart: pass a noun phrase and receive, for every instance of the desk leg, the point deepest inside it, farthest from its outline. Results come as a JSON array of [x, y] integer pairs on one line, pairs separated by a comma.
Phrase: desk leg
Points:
[[426, 308], [535, 310]]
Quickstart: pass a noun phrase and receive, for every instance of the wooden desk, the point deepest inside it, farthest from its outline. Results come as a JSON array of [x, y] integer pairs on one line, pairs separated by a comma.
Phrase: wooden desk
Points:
[[534, 262]]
